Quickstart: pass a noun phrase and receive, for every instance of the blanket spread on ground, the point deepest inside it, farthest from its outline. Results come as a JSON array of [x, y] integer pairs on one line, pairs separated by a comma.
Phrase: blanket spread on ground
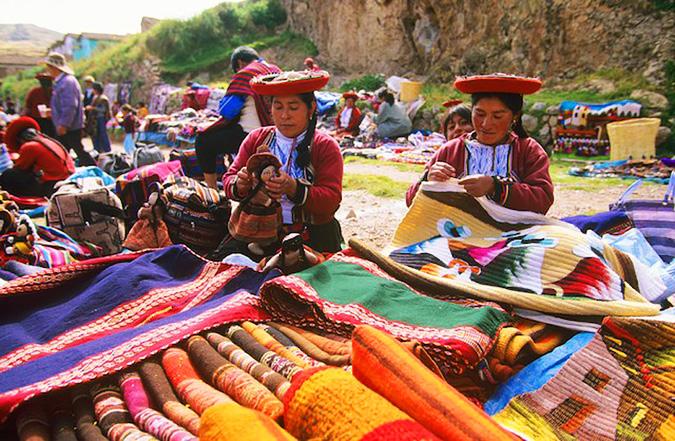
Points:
[[452, 243], [347, 291], [82, 321]]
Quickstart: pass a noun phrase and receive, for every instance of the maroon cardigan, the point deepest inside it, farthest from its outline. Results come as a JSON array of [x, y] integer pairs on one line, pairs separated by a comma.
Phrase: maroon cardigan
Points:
[[320, 200], [532, 189]]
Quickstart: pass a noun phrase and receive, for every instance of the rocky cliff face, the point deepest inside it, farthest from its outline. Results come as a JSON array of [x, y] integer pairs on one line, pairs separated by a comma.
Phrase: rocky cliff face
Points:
[[442, 38]]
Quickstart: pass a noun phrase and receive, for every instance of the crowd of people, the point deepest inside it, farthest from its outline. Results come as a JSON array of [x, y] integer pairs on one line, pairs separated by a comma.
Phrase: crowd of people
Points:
[[269, 112]]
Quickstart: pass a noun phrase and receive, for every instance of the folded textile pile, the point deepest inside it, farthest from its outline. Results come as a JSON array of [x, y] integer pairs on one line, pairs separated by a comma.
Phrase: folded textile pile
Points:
[[450, 243], [347, 291]]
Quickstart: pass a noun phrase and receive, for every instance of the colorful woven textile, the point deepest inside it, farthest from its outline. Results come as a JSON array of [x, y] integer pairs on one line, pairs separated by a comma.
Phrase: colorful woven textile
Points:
[[331, 344], [235, 382], [113, 417], [273, 381], [32, 423], [265, 339], [330, 404], [386, 367], [346, 291], [148, 419], [619, 386], [85, 419], [265, 356], [608, 222], [290, 345], [312, 349], [224, 422], [452, 243], [159, 388], [61, 417], [111, 316], [187, 383]]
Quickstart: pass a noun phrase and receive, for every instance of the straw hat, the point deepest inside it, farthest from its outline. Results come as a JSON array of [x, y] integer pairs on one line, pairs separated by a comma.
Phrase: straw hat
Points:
[[58, 61]]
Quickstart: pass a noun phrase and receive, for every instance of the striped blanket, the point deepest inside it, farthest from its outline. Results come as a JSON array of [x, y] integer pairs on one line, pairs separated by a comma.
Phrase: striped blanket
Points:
[[82, 321]]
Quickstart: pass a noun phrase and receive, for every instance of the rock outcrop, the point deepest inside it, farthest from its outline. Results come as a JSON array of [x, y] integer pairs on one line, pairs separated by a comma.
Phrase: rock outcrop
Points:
[[442, 38]]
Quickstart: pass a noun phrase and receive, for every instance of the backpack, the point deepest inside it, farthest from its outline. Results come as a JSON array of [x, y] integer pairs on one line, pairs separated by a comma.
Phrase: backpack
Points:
[[195, 214], [115, 164], [134, 188], [88, 212], [146, 154]]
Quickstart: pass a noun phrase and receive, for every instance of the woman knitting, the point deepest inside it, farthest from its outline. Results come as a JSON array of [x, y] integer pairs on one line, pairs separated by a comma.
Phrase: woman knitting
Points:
[[498, 159], [308, 186]]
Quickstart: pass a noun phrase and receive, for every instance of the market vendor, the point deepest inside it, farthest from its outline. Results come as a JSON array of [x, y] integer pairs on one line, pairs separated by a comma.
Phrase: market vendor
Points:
[[39, 98], [349, 117], [498, 159], [241, 110], [309, 182], [42, 161], [457, 120], [392, 120]]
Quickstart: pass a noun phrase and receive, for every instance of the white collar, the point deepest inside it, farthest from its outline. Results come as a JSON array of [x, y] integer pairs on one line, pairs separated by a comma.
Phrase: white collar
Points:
[[285, 140]]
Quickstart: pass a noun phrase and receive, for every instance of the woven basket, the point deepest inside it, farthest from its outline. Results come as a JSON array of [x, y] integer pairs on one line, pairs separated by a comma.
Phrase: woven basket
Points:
[[633, 138]]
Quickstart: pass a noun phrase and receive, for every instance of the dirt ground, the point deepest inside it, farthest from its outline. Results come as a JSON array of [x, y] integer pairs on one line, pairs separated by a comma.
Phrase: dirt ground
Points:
[[374, 219]]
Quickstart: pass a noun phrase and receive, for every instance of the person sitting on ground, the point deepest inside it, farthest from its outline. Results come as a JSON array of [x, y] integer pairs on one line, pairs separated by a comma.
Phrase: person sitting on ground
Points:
[[392, 120], [141, 110], [42, 161], [99, 112], [349, 117], [241, 111], [130, 125], [309, 183], [311, 65], [498, 159], [40, 96]]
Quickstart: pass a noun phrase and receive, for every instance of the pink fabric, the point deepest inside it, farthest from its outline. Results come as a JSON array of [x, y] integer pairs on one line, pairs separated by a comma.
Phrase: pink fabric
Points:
[[160, 169]]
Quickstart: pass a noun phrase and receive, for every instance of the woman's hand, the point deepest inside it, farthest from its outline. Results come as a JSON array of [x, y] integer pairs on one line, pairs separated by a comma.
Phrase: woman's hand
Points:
[[441, 171], [281, 185], [478, 185], [244, 181]]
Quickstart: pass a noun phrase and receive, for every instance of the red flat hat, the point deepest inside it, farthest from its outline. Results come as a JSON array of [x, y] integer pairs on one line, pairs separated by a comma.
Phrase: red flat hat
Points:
[[350, 94], [15, 128], [498, 83], [452, 103], [289, 83]]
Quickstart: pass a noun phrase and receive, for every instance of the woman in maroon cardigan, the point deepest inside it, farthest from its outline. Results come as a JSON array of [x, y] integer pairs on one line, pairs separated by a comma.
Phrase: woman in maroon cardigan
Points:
[[499, 159], [309, 185]]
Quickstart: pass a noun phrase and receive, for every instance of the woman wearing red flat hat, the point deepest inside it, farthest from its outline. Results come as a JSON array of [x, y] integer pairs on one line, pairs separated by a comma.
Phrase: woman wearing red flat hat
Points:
[[42, 161], [498, 159], [309, 183], [349, 117]]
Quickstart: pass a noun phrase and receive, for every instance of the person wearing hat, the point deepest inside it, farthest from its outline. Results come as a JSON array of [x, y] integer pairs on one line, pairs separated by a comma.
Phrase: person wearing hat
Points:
[[42, 161], [241, 111], [38, 97], [66, 107], [457, 119], [349, 116], [498, 159], [309, 183], [88, 90]]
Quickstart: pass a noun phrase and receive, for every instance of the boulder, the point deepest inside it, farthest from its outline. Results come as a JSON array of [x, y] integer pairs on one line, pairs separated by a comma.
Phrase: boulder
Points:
[[601, 86], [650, 99], [530, 122], [662, 135], [553, 110], [538, 106]]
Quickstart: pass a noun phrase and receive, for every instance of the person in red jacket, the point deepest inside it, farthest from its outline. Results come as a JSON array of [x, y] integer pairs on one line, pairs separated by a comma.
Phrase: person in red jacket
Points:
[[42, 161], [349, 117], [498, 159], [40, 96], [309, 184]]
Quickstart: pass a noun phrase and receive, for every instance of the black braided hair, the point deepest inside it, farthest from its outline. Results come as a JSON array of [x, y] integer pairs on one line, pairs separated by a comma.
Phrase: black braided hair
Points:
[[513, 101], [304, 155]]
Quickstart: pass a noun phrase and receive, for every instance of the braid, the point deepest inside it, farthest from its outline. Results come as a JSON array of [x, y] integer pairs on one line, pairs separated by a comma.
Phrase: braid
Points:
[[304, 155], [519, 129]]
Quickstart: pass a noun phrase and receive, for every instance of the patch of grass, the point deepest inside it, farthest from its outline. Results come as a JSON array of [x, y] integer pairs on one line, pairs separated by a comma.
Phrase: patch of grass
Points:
[[367, 82], [380, 186], [400, 166]]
